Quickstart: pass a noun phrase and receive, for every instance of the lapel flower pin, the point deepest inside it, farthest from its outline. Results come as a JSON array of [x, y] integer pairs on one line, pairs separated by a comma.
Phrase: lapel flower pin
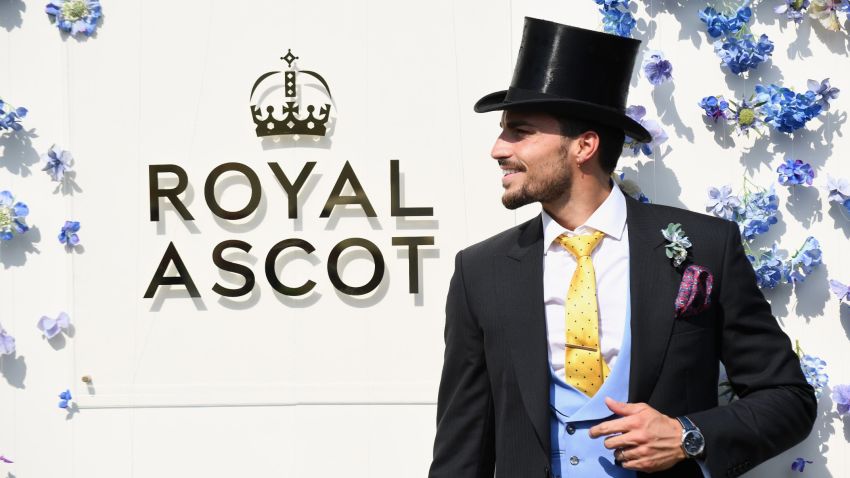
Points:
[[677, 249]]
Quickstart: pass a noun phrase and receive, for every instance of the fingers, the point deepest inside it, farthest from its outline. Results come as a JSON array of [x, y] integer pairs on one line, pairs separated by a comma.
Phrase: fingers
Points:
[[622, 408], [626, 440], [620, 425]]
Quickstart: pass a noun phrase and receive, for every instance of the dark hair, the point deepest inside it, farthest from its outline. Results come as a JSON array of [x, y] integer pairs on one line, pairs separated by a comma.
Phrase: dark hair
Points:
[[610, 139]]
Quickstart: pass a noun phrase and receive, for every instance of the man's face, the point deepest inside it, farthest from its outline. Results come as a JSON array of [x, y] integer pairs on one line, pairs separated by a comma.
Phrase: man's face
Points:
[[533, 157]]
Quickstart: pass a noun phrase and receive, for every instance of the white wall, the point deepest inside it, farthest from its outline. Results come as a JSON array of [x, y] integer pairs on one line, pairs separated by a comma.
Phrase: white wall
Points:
[[327, 384]]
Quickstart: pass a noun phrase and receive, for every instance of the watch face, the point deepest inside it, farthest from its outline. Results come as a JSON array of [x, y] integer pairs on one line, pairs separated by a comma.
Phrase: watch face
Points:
[[693, 442]]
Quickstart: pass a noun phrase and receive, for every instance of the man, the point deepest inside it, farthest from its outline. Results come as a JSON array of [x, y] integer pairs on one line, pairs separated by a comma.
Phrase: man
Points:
[[575, 346]]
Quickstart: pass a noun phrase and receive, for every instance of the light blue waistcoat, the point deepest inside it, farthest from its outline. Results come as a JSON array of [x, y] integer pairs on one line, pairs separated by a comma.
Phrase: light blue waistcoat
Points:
[[574, 453]]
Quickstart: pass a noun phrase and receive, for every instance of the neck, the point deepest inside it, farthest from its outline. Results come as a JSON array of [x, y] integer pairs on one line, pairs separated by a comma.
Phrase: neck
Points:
[[585, 196]]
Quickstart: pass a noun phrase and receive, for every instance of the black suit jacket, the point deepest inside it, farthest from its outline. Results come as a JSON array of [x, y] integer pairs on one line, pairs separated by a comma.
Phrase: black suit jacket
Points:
[[493, 403]]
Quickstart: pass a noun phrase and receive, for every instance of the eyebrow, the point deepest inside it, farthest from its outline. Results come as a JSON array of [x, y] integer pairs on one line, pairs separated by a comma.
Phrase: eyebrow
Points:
[[517, 123]]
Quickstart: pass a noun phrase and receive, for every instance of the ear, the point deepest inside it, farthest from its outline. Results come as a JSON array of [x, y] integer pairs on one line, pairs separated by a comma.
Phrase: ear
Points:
[[585, 146]]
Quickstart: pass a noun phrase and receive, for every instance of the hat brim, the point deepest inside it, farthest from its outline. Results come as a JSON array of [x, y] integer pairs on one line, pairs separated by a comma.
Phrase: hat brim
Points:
[[574, 108]]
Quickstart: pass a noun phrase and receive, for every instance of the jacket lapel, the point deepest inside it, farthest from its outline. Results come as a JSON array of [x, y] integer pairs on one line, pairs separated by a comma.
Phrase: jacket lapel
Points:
[[654, 284], [522, 315]]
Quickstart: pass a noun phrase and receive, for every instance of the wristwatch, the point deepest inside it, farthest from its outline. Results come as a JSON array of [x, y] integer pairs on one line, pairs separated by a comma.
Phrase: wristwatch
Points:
[[693, 442]]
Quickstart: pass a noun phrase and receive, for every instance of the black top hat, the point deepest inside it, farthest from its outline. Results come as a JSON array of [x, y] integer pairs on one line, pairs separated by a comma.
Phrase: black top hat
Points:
[[581, 73]]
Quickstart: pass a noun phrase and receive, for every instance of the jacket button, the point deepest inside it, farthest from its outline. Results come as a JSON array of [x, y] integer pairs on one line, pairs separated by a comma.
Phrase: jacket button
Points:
[[574, 460], [571, 429]]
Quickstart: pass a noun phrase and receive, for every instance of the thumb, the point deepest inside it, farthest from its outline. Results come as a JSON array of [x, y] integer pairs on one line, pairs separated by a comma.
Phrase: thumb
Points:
[[622, 408]]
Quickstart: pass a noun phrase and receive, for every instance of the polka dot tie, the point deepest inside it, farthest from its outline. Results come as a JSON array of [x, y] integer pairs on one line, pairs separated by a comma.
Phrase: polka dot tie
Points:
[[584, 368]]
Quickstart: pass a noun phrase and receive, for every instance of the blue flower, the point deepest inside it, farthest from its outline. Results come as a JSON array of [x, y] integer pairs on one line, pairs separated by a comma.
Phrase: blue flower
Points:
[[68, 233], [657, 69], [799, 464], [657, 133], [65, 399], [838, 189], [722, 203], [760, 209], [629, 187], [715, 108], [719, 24], [823, 91], [12, 216], [814, 371], [616, 17], [786, 110], [793, 9], [748, 115], [769, 268], [57, 162], [841, 397], [10, 120], [803, 262], [75, 16], [794, 171], [744, 54]]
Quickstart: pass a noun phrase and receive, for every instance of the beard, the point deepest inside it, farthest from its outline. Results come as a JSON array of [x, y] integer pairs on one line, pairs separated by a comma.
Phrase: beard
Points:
[[554, 183]]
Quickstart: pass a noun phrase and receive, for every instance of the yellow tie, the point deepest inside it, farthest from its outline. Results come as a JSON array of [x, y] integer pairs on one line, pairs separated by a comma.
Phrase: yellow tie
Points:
[[584, 367]]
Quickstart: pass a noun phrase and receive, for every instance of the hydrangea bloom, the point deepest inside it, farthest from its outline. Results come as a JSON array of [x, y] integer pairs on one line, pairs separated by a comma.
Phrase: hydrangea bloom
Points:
[[841, 397], [814, 369], [715, 108], [824, 92], [57, 162], [759, 213], [770, 268], [10, 117], [7, 342], [722, 203], [65, 399], [804, 261], [743, 54], [75, 16], [793, 9], [841, 290], [719, 24], [657, 69], [786, 110], [12, 216], [658, 134], [794, 171], [616, 17]]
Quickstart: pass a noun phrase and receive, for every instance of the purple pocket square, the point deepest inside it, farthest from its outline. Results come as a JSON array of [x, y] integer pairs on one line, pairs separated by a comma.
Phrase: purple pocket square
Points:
[[694, 291]]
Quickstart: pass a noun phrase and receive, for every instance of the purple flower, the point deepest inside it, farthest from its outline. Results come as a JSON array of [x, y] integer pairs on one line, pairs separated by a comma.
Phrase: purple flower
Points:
[[57, 161], [5, 460], [840, 290], [824, 92], [52, 327], [799, 464], [657, 69], [794, 171], [838, 188], [658, 134], [7, 342], [722, 203], [10, 120], [814, 369], [68, 233], [841, 397], [75, 16]]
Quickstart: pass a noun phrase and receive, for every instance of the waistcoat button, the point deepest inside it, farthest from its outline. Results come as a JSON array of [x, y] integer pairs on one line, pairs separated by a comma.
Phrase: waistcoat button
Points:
[[573, 460], [571, 429]]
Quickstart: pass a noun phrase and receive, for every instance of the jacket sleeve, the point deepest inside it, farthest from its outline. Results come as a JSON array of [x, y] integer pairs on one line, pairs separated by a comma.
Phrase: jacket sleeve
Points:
[[464, 446], [776, 407]]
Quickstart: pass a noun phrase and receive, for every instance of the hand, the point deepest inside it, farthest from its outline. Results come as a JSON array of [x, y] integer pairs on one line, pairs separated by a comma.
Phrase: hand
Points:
[[648, 440]]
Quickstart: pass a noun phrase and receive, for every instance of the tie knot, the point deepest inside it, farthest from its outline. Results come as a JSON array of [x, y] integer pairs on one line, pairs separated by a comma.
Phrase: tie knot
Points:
[[583, 245]]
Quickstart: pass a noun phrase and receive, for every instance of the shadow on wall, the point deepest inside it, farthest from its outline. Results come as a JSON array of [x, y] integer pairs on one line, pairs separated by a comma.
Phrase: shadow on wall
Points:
[[11, 14], [17, 154]]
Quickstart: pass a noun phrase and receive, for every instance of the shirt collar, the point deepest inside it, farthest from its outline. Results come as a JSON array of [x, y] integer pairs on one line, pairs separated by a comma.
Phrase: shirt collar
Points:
[[608, 218]]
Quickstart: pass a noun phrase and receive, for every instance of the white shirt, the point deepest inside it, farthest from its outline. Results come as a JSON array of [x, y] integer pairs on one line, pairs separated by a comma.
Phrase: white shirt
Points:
[[611, 265]]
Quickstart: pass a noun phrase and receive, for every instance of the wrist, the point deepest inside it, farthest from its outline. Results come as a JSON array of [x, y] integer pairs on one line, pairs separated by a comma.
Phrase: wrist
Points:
[[693, 442]]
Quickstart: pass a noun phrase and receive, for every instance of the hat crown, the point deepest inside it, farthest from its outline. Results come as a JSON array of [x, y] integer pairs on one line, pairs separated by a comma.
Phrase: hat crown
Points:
[[570, 62]]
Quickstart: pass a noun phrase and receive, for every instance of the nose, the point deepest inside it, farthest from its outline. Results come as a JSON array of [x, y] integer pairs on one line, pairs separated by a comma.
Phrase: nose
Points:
[[501, 148]]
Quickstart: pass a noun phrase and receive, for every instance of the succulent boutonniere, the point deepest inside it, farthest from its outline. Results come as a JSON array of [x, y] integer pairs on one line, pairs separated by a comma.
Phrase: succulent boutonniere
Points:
[[677, 249]]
